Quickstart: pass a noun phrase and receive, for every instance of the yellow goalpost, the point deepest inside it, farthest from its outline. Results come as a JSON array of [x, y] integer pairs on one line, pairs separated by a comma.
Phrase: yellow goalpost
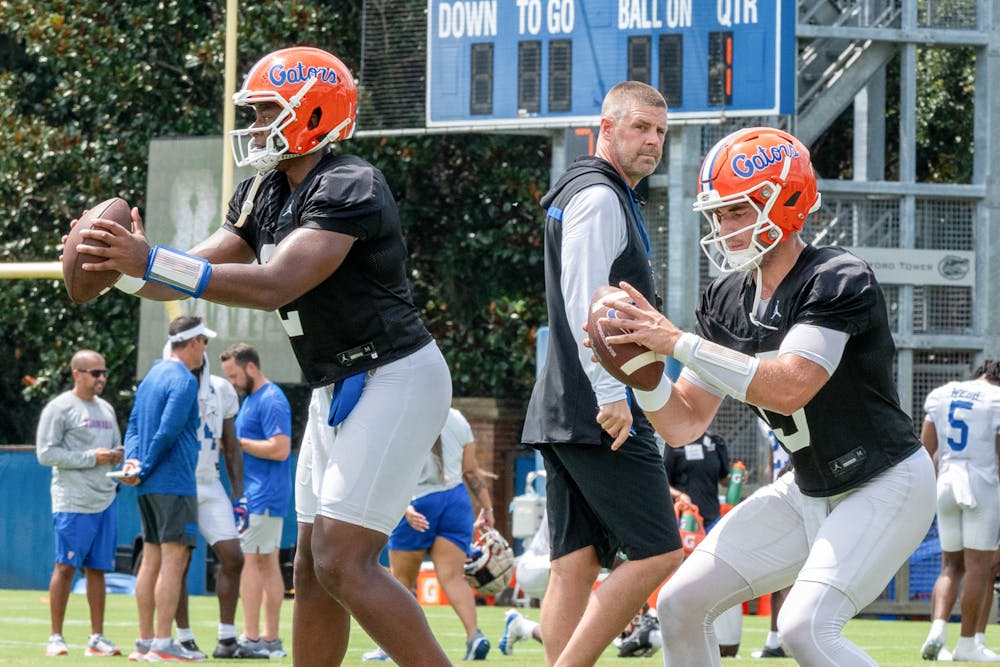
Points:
[[16, 270]]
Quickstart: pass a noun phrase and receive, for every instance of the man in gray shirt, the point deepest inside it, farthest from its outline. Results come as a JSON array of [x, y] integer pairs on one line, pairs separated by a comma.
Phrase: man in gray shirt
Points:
[[78, 436]]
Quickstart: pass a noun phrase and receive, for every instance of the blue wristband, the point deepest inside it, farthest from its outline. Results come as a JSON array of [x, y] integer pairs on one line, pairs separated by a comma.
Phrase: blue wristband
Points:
[[178, 270], [203, 284]]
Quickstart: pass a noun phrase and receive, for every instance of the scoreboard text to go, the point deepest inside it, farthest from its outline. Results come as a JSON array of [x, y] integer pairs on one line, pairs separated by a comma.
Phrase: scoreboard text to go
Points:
[[539, 62]]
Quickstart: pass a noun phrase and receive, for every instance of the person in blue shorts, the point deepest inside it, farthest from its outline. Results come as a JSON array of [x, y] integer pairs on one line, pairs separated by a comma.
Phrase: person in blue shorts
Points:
[[78, 437], [439, 522]]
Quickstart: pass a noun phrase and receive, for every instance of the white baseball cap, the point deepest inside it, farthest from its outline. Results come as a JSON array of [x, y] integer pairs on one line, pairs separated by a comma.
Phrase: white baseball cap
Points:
[[198, 330]]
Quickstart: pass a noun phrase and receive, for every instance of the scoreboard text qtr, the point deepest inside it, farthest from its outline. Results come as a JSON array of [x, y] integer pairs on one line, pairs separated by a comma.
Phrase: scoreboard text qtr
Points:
[[549, 62]]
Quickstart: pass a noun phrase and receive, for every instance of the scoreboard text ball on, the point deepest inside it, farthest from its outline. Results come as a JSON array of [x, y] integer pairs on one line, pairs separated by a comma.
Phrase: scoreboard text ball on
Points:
[[549, 63]]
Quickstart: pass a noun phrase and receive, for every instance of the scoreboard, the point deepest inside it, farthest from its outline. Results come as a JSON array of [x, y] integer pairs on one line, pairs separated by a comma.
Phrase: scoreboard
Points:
[[549, 63]]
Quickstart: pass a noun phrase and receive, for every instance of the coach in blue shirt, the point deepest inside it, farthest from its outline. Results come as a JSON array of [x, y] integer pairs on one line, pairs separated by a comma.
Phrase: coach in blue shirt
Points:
[[161, 451]]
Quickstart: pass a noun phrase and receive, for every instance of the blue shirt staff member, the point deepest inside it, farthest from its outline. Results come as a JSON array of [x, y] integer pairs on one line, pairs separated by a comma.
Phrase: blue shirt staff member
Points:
[[331, 259], [264, 428], [161, 454]]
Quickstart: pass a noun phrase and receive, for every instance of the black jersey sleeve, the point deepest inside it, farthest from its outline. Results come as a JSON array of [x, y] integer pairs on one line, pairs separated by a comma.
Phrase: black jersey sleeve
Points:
[[345, 199], [840, 295]]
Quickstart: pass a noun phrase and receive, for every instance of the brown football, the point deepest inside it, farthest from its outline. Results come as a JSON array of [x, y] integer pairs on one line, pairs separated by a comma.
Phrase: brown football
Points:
[[630, 363], [84, 286]]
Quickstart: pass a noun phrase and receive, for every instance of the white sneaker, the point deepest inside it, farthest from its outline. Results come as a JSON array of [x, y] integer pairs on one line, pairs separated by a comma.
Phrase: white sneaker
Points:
[[56, 646], [99, 645], [975, 654], [513, 632], [378, 655]]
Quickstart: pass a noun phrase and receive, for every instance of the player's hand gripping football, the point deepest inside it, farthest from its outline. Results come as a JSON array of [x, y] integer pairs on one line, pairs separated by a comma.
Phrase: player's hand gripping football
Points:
[[641, 323], [126, 252]]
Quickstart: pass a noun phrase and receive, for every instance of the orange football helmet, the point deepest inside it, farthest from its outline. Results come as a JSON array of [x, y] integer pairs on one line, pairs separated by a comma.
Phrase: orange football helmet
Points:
[[770, 170], [306, 83]]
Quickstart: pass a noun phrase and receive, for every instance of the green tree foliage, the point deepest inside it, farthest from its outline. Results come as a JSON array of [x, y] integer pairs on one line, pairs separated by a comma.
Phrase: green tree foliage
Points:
[[945, 81], [474, 234], [84, 86], [945, 112]]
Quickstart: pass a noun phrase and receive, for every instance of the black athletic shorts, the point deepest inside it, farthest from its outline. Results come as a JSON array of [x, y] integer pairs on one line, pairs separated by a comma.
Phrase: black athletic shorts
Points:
[[167, 518], [611, 500]]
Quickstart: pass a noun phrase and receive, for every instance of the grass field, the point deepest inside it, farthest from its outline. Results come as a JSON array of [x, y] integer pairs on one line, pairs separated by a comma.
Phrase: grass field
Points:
[[24, 628]]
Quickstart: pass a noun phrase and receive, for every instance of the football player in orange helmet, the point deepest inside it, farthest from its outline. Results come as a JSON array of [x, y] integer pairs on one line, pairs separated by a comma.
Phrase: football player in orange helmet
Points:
[[325, 232], [761, 184], [304, 98], [316, 99], [801, 334]]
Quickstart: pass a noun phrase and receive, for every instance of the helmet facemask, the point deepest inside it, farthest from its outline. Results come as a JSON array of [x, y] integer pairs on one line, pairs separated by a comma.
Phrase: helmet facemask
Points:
[[246, 152], [275, 149], [765, 236], [769, 170]]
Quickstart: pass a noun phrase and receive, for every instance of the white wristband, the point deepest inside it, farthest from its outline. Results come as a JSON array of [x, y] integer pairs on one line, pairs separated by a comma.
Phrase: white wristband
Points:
[[727, 369], [651, 401], [129, 284]]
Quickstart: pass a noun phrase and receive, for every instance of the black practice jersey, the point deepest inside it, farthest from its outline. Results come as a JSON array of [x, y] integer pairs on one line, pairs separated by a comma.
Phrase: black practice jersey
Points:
[[362, 315], [696, 469], [853, 428]]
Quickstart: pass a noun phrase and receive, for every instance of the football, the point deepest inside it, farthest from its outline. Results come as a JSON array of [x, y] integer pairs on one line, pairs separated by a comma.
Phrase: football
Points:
[[84, 286], [630, 363]]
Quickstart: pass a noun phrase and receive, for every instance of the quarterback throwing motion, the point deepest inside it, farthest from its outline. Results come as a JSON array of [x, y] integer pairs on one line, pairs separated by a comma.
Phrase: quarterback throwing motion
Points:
[[801, 334], [325, 230]]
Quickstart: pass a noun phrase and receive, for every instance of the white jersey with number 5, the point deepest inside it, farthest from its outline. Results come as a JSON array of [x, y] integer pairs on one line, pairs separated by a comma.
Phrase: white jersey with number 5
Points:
[[966, 416]]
